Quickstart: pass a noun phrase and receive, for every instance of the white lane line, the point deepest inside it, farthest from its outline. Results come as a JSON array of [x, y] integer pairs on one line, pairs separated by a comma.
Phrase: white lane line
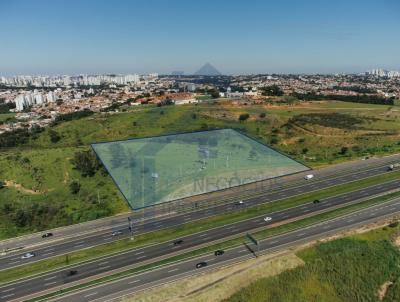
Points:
[[100, 264], [6, 296], [301, 235], [50, 283], [141, 257], [241, 251], [14, 262], [173, 270], [276, 241], [104, 267], [50, 278], [134, 281], [138, 253], [47, 254], [8, 290], [89, 295], [202, 235]]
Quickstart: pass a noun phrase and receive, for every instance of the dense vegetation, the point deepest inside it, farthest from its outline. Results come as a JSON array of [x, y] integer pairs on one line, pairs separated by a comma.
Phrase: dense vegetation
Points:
[[349, 269], [364, 98], [335, 120]]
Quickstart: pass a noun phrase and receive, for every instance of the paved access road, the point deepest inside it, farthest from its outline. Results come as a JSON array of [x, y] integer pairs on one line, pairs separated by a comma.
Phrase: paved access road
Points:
[[109, 224], [110, 291], [150, 253], [102, 237]]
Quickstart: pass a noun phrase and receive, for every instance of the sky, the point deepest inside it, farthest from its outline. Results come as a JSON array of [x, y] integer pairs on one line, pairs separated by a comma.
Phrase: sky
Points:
[[237, 37]]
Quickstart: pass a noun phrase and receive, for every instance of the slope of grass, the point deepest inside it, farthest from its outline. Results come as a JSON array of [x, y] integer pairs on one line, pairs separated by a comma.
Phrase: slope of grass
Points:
[[348, 269]]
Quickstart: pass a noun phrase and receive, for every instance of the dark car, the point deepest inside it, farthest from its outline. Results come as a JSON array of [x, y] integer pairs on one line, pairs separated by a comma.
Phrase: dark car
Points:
[[201, 264], [316, 201], [47, 235], [178, 242], [219, 253], [72, 273]]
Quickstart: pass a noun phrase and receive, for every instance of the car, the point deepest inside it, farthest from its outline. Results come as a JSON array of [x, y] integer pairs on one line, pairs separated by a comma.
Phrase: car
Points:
[[309, 176], [116, 233], [240, 202], [266, 219], [28, 255], [45, 235], [316, 201], [178, 242], [219, 253], [201, 264], [72, 273]]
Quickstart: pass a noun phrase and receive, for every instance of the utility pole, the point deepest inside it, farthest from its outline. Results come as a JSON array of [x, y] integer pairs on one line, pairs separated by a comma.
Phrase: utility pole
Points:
[[130, 221]]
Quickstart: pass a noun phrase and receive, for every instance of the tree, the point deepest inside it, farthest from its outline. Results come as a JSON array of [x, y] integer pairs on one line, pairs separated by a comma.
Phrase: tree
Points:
[[54, 136], [75, 187], [214, 94], [2, 184], [244, 116], [273, 90], [343, 150], [262, 115], [86, 163]]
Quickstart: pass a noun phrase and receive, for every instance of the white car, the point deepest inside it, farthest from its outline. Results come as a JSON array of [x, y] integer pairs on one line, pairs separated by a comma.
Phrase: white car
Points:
[[27, 255], [309, 176], [266, 219]]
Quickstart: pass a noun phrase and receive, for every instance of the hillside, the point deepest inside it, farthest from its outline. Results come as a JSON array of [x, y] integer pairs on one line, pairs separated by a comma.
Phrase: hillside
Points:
[[42, 188]]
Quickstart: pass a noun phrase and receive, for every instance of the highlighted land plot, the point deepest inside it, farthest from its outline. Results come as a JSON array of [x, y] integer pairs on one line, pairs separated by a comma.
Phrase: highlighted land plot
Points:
[[154, 170]]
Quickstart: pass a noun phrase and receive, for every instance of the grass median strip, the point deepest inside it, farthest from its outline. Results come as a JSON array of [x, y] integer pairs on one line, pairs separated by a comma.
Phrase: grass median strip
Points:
[[227, 244], [155, 237]]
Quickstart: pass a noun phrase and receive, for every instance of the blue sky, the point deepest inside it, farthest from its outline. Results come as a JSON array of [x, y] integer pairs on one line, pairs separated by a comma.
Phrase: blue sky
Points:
[[72, 37]]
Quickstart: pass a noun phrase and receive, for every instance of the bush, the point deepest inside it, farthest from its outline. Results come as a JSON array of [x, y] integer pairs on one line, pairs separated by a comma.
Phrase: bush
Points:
[[394, 224], [75, 187], [86, 162], [54, 137], [244, 116], [262, 115]]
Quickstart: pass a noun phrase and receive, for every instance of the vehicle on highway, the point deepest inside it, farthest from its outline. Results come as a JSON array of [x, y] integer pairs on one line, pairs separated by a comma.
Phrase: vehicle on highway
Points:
[[316, 201], [201, 264], [266, 219], [392, 166], [45, 235], [309, 176], [116, 233], [219, 253], [240, 202], [178, 242], [72, 273], [28, 255]]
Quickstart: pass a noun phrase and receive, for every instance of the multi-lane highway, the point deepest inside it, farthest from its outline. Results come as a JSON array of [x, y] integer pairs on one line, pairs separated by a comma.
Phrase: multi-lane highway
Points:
[[150, 253], [104, 236], [102, 226], [109, 291]]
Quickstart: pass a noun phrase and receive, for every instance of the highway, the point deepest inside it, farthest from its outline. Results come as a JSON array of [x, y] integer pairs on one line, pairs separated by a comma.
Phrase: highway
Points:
[[110, 291], [150, 253], [102, 226], [104, 236]]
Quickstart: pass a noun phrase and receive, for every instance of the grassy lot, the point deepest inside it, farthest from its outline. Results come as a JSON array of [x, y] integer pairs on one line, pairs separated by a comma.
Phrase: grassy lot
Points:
[[201, 225], [39, 173], [5, 116], [356, 268]]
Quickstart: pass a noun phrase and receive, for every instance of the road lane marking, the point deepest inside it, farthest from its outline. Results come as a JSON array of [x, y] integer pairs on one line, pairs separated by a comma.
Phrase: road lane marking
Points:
[[173, 270], [47, 279], [6, 296], [50, 283], [47, 254], [100, 264], [141, 257], [138, 253], [242, 251], [89, 295], [134, 281], [202, 235], [8, 290]]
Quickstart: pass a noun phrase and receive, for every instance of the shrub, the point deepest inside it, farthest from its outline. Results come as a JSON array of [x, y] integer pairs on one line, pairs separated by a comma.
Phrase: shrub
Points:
[[244, 116]]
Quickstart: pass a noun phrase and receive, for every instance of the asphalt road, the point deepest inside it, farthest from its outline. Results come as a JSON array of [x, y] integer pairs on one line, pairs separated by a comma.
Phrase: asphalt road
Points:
[[110, 291], [101, 237], [102, 226], [106, 264]]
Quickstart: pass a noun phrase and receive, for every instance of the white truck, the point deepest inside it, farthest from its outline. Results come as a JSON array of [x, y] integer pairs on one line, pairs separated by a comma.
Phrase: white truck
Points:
[[392, 166]]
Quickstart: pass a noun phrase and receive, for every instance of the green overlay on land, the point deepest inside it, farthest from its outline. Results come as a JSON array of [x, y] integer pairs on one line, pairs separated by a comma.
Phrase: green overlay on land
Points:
[[154, 170]]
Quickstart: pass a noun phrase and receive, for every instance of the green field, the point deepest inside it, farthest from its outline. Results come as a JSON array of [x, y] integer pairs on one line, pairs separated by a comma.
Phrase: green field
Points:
[[39, 173], [158, 169], [355, 268]]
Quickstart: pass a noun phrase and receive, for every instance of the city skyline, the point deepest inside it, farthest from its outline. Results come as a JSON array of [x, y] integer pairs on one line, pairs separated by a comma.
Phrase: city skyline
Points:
[[102, 38]]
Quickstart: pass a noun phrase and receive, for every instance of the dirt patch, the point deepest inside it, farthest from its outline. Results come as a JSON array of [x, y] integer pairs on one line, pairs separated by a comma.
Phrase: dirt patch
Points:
[[19, 187], [383, 289]]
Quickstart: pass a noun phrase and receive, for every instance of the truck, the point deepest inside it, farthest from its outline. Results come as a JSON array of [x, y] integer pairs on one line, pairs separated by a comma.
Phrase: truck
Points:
[[391, 167]]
